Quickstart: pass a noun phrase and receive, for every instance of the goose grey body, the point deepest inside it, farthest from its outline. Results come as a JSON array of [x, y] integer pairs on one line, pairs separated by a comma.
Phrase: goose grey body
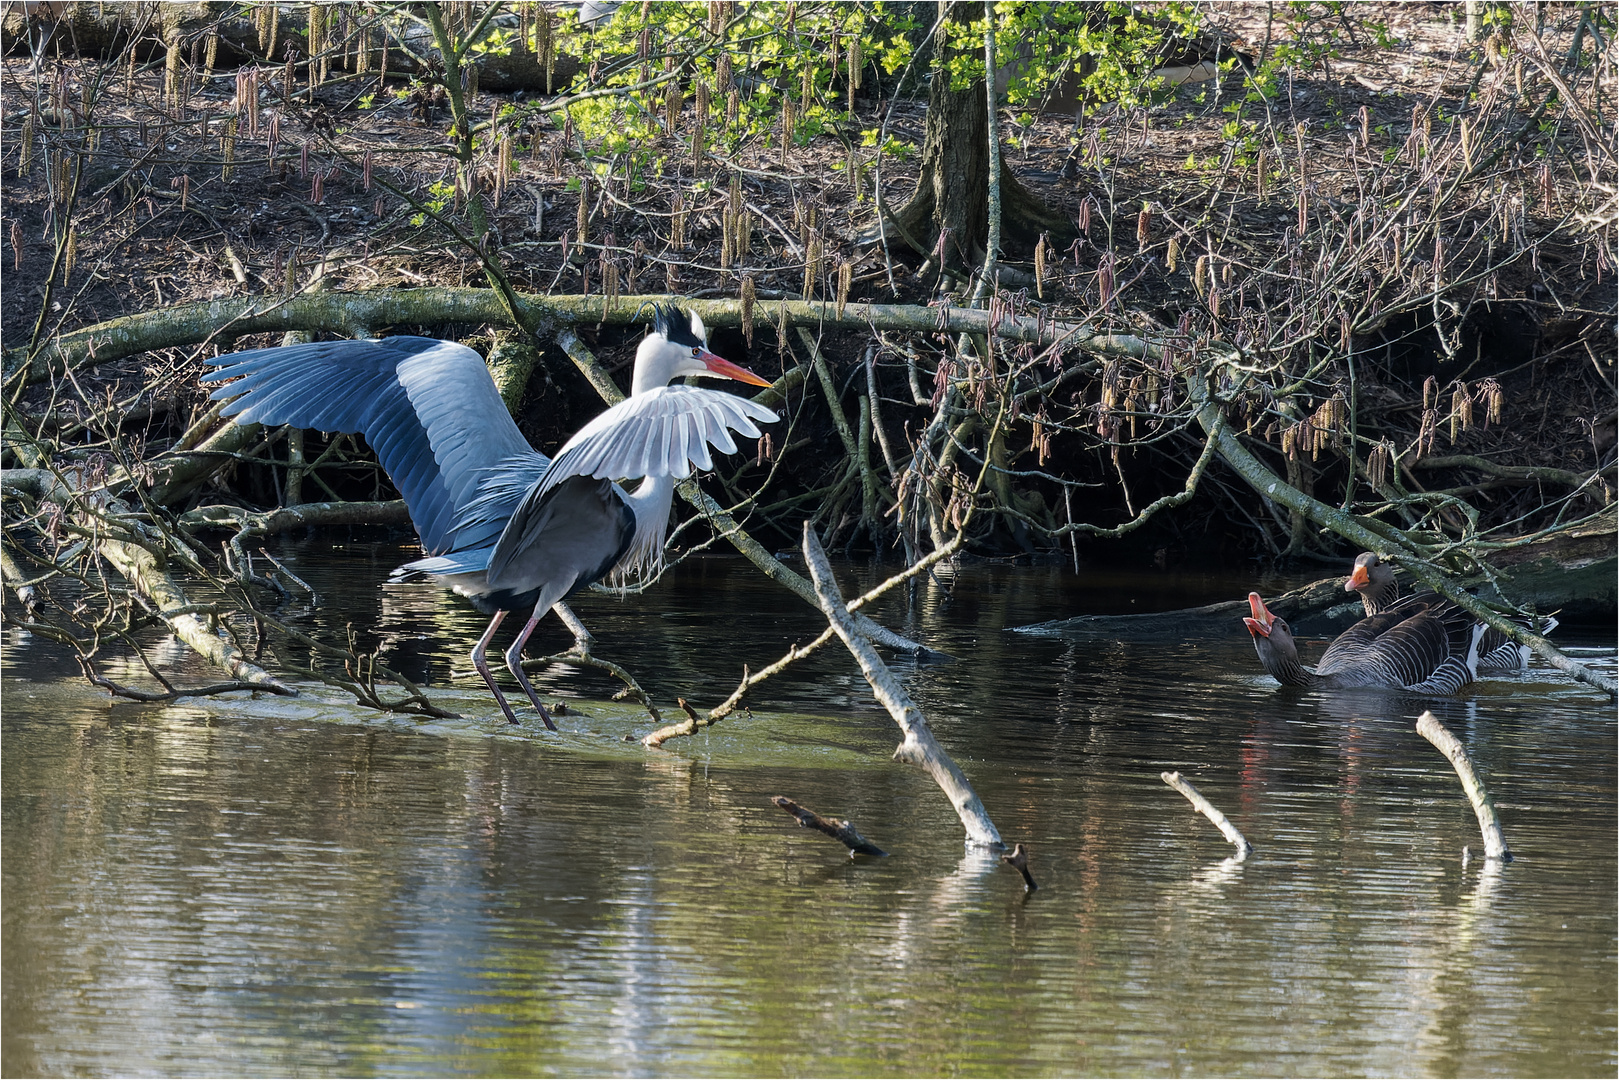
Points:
[[500, 523], [1427, 645], [1374, 580]]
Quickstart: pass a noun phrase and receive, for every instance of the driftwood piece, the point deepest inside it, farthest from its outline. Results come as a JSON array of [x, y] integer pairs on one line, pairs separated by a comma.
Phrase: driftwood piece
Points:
[[1210, 811], [920, 748], [1317, 608], [1495, 845], [838, 829]]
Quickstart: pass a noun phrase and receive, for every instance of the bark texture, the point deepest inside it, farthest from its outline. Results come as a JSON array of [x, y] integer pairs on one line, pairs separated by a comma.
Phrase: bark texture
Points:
[[953, 190]]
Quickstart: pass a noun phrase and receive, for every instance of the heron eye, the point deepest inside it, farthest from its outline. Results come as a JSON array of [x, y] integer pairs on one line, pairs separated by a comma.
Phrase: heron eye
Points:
[[695, 351]]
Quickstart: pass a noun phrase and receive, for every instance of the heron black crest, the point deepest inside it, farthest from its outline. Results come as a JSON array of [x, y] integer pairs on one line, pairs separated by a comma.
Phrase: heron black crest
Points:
[[675, 324]]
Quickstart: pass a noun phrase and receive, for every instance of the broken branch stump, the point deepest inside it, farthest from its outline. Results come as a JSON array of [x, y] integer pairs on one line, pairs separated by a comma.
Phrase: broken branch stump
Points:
[[1495, 845], [1019, 861], [1210, 811]]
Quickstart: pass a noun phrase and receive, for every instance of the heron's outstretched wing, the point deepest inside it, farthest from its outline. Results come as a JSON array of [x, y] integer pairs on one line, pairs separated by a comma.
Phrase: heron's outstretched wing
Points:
[[428, 408], [662, 432]]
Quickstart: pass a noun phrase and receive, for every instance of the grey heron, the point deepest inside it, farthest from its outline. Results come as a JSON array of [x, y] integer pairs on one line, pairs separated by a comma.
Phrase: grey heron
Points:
[[500, 523]]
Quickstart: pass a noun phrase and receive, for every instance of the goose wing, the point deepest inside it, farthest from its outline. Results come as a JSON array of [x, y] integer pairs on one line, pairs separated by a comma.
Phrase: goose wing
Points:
[[1420, 643], [428, 408]]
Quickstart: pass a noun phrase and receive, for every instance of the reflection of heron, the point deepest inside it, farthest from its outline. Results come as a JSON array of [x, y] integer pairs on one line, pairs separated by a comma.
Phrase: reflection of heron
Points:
[[1425, 644], [501, 524]]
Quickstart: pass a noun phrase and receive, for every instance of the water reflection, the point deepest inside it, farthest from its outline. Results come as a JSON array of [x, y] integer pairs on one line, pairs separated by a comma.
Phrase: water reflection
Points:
[[300, 887]]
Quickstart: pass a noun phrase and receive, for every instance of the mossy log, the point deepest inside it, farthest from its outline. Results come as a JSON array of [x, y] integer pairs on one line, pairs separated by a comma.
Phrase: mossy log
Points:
[[354, 314]]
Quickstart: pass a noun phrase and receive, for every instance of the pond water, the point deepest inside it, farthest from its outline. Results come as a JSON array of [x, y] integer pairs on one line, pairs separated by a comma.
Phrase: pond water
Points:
[[304, 887]]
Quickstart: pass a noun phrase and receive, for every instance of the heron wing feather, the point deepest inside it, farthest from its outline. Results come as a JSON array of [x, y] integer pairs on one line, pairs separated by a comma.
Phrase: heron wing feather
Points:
[[662, 432], [427, 407]]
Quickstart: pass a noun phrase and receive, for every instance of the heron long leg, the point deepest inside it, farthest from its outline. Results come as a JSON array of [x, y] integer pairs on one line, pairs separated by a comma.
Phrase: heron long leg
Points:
[[514, 663], [482, 665]]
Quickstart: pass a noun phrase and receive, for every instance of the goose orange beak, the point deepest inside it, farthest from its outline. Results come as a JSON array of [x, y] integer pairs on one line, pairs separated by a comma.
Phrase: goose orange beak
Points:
[[721, 366], [1357, 580], [1262, 618]]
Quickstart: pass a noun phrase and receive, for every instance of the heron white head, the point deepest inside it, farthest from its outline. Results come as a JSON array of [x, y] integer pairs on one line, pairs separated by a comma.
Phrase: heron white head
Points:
[[677, 346]]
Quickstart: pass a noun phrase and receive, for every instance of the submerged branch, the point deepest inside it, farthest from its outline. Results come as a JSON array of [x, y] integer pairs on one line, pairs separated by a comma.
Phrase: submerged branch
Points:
[[838, 829], [146, 572], [1495, 845], [1210, 811]]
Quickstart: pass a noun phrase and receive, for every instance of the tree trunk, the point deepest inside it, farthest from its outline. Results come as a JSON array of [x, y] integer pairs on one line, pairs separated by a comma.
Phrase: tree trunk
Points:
[[953, 190]]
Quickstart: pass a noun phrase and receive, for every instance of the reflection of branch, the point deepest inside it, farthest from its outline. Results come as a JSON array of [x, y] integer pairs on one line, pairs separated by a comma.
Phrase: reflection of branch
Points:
[[838, 829], [170, 694]]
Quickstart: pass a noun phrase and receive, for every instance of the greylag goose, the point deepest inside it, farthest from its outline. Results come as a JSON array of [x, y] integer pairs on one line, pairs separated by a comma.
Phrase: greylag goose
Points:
[[1374, 580], [1426, 644]]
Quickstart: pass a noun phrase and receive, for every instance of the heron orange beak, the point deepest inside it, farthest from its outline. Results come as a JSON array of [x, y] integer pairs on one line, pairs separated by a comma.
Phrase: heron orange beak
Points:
[[1262, 618], [1357, 580], [721, 366]]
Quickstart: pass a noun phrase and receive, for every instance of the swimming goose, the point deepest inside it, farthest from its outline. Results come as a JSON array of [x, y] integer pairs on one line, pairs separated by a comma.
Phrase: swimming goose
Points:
[[1374, 580], [1426, 644]]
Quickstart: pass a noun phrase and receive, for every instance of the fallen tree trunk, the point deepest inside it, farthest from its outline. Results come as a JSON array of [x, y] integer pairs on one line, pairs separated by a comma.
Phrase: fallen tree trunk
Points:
[[355, 314]]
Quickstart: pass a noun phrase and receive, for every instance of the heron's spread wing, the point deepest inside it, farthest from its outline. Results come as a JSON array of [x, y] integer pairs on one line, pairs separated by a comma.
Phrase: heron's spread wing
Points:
[[428, 408], [663, 432]]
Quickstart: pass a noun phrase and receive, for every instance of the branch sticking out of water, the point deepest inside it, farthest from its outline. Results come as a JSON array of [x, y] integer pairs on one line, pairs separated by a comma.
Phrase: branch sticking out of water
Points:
[[920, 748], [842, 831], [1210, 811], [1019, 861], [1495, 845]]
